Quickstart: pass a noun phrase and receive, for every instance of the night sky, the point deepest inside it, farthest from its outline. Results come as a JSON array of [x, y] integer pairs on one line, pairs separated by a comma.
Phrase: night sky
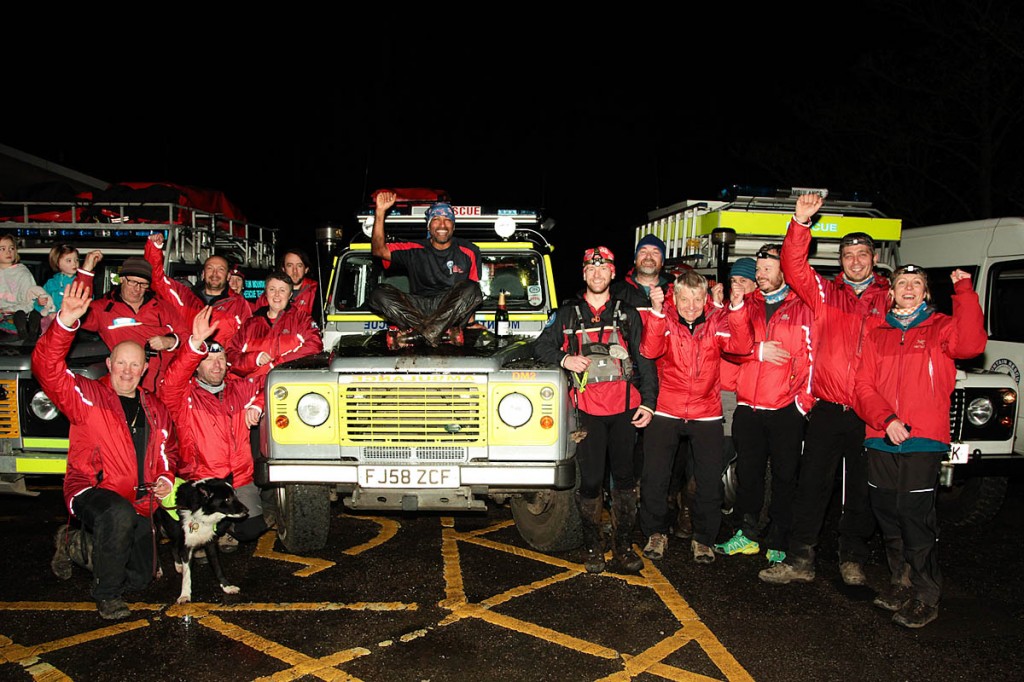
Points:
[[595, 120]]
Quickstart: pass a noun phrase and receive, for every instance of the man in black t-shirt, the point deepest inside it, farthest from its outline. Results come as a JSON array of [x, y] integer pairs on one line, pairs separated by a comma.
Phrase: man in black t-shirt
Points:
[[444, 273]]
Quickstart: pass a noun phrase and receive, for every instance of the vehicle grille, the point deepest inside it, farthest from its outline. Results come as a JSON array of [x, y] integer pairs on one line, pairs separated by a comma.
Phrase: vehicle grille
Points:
[[414, 414], [10, 426], [956, 414]]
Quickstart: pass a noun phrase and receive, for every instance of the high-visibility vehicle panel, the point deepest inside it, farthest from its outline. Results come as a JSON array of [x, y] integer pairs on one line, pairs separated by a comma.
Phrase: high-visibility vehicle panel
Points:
[[420, 428]]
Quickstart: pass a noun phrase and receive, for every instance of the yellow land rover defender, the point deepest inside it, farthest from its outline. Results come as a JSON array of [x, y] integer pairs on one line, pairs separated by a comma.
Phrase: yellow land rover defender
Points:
[[421, 428]]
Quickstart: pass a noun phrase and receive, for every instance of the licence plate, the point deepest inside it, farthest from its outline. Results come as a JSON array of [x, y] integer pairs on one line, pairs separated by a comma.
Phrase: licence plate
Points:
[[409, 477], [960, 454]]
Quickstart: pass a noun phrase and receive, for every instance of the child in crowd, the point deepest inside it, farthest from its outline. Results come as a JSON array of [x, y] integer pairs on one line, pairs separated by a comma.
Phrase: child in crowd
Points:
[[64, 263], [18, 294]]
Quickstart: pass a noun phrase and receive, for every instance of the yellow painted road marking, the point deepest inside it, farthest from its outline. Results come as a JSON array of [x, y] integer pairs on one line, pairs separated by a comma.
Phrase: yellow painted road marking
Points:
[[265, 550], [302, 664], [693, 628], [14, 653], [388, 529], [650, 661]]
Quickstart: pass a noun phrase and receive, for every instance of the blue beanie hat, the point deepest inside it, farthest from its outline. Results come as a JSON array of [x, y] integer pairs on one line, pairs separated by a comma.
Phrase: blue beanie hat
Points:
[[744, 267], [650, 240], [442, 210]]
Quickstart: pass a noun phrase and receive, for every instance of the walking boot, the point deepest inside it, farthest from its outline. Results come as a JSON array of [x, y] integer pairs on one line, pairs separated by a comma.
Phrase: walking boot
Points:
[[684, 515], [113, 609], [899, 591], [80, 548], [593, 542], [623, 522], [61, 562]]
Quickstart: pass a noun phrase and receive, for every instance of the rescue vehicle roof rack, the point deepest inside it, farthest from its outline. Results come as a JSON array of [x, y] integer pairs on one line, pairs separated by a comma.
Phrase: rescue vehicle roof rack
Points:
[[695, 230], [192, 235]]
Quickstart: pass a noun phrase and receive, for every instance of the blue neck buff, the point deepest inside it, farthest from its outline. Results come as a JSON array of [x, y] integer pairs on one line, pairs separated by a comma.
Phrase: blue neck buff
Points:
[[776, 296], [860, 287], [905, 319]]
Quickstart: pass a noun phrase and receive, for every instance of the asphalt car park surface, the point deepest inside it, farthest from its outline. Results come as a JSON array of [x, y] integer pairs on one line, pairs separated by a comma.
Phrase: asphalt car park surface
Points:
[[439, 597]]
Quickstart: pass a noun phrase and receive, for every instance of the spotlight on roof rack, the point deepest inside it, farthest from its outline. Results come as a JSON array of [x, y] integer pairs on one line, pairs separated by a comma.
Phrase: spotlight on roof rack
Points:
[[505, 226], [548, 224]]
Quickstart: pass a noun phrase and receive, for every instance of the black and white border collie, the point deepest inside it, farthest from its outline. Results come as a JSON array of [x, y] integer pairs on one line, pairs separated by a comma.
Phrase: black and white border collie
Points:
[[201, 505]]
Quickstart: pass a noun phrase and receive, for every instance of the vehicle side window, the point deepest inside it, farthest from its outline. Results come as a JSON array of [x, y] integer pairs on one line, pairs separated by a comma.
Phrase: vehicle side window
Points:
[[1005, 287], [354, 276]]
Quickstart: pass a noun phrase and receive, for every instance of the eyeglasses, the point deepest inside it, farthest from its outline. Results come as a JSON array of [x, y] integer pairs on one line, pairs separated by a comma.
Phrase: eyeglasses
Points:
[[134, 283], [765, 253]]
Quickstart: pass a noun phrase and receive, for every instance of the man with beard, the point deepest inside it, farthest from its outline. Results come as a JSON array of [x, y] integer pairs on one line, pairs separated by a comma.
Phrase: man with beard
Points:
[[213, 411], [845, 310], [230, 310], [444, 273], [772, 396], [646, 274], [596, 338], [131, 312]]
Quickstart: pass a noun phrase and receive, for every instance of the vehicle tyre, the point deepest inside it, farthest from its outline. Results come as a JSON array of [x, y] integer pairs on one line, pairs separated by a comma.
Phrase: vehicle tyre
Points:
[[548, 520], [971, 501], [730, 485], [303, 517]]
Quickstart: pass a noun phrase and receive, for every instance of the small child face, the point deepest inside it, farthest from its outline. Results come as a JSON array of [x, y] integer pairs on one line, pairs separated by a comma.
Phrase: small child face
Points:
[[68, 263], [8, 252]]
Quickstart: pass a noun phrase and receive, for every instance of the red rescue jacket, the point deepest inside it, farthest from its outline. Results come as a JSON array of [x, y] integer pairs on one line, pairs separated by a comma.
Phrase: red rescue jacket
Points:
[[212, 432], [841, 318], [154, 318], [688, 364], [911, 374], [761, 384], [292, 335], [230, 311], [100, 449]]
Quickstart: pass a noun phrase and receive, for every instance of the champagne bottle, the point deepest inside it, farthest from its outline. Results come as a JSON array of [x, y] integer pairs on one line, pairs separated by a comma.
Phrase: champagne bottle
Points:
[[501, 323]]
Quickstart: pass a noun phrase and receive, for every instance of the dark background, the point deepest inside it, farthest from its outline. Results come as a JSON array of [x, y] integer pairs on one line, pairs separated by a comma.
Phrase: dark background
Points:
[[596, 119]]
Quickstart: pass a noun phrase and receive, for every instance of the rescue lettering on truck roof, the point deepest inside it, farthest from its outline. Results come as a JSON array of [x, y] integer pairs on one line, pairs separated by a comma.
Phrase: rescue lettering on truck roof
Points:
[[775, 224]]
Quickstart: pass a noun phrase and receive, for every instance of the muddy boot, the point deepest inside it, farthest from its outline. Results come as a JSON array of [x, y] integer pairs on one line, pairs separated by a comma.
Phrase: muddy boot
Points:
[[593, 540], [73, 547], [684, 515], [898, 592], [80, 549], [61, 562], [623, 522]]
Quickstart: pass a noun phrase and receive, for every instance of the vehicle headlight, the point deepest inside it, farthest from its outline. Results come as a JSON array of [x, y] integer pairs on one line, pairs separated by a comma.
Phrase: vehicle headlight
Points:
[[979, 411], [313, 409], [43, 407], [515, 409]]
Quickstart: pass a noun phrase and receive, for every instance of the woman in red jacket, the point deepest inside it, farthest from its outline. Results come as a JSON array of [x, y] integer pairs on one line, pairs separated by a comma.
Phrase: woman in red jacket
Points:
[[276, 333], [902, 392]]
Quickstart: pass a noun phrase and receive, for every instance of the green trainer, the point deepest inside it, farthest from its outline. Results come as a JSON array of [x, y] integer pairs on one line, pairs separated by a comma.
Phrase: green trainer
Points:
[[738, 544], [775, 556]]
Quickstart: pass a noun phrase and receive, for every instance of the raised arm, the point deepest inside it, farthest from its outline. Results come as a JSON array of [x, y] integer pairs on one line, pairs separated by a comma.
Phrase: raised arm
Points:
[[49, 365], [378, 244], [800, 276], [968, 336]]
